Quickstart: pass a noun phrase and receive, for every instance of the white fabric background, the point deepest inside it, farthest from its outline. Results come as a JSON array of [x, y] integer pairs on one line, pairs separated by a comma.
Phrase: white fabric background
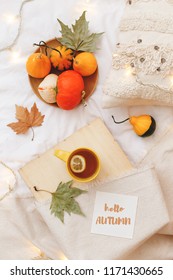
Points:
[[39, 23]]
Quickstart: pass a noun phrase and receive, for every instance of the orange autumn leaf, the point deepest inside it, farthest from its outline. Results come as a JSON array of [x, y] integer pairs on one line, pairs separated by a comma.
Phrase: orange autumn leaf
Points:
[[22, 114], [26, 119], [35, 117], [19, 127]]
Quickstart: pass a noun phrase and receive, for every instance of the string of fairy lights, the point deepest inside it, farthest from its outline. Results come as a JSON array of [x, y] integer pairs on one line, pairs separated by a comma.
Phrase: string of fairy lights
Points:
[[8, 175], [11, 19], [7, 180]]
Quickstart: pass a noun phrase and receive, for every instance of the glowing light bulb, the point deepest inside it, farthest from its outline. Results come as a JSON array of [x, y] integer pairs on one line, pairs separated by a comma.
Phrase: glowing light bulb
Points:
[[62, 256], [9, 18], [128, 71], [88, 6], [172, 80], [15, 55]]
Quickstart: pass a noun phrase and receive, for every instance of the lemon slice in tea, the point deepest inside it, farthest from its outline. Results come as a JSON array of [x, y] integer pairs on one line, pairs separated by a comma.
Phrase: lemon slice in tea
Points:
[[78, 163]]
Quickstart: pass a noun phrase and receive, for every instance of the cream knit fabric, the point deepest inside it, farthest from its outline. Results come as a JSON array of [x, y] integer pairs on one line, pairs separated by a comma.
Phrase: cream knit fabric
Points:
[[142, 63], [75, 237]]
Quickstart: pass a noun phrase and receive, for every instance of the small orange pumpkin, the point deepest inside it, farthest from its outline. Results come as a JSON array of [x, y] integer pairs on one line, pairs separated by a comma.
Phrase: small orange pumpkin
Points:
[[38, 65], [62, 58]]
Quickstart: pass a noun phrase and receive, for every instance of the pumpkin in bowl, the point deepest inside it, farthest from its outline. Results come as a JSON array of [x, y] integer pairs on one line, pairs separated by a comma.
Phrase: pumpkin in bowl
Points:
[[85, 63], [48, 88], [38, 65], [70, 91], [61, 57]]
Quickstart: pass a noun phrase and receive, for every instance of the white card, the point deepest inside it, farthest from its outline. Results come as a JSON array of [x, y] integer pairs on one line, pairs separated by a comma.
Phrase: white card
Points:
[[114, 214]]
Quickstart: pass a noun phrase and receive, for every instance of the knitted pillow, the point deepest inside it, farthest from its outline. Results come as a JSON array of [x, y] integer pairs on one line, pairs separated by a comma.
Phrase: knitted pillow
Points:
[[142, 68]]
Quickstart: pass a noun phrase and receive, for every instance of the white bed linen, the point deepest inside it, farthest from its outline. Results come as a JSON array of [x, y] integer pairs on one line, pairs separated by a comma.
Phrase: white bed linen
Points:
[[39, 23]]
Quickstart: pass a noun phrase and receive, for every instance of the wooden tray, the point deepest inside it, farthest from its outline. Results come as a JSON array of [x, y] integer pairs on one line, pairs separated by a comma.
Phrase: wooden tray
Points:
[[47, 171], [90, 82]]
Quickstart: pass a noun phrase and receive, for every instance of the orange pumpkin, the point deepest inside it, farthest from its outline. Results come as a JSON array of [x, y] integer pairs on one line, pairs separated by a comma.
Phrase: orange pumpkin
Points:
[[70, 89], [62, 58], [38, 65]]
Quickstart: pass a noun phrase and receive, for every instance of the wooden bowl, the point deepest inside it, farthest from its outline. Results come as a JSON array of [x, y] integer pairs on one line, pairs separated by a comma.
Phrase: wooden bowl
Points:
[[90, 82]]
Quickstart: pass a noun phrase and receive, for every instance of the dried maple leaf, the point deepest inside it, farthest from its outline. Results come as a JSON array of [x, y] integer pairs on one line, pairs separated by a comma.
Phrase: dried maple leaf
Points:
[[63, 200], [26, 119], [78, 37]]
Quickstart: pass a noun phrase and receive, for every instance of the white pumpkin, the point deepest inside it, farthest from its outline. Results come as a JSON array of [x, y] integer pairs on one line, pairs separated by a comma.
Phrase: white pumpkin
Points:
[[48, 88]]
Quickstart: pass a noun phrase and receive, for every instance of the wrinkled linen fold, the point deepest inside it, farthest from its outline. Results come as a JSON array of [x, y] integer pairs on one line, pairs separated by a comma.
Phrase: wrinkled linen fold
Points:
[[161, 157]]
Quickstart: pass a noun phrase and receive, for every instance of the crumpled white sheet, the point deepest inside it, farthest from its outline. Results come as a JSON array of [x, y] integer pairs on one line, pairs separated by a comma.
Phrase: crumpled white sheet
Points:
[[39, 22], [7, 181], [161, 156]]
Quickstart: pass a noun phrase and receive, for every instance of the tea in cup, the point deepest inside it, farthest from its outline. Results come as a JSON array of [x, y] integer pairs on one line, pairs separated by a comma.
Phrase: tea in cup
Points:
[[82, 164]]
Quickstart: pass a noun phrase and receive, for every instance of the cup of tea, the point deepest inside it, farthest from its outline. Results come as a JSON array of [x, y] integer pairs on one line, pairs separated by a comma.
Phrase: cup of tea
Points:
[[82, 164]]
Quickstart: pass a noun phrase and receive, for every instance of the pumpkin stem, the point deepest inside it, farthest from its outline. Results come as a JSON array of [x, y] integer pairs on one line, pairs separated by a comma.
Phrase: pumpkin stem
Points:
[[121, 121], [43, 44], [32, 133], [40, 190], [83, 99]]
